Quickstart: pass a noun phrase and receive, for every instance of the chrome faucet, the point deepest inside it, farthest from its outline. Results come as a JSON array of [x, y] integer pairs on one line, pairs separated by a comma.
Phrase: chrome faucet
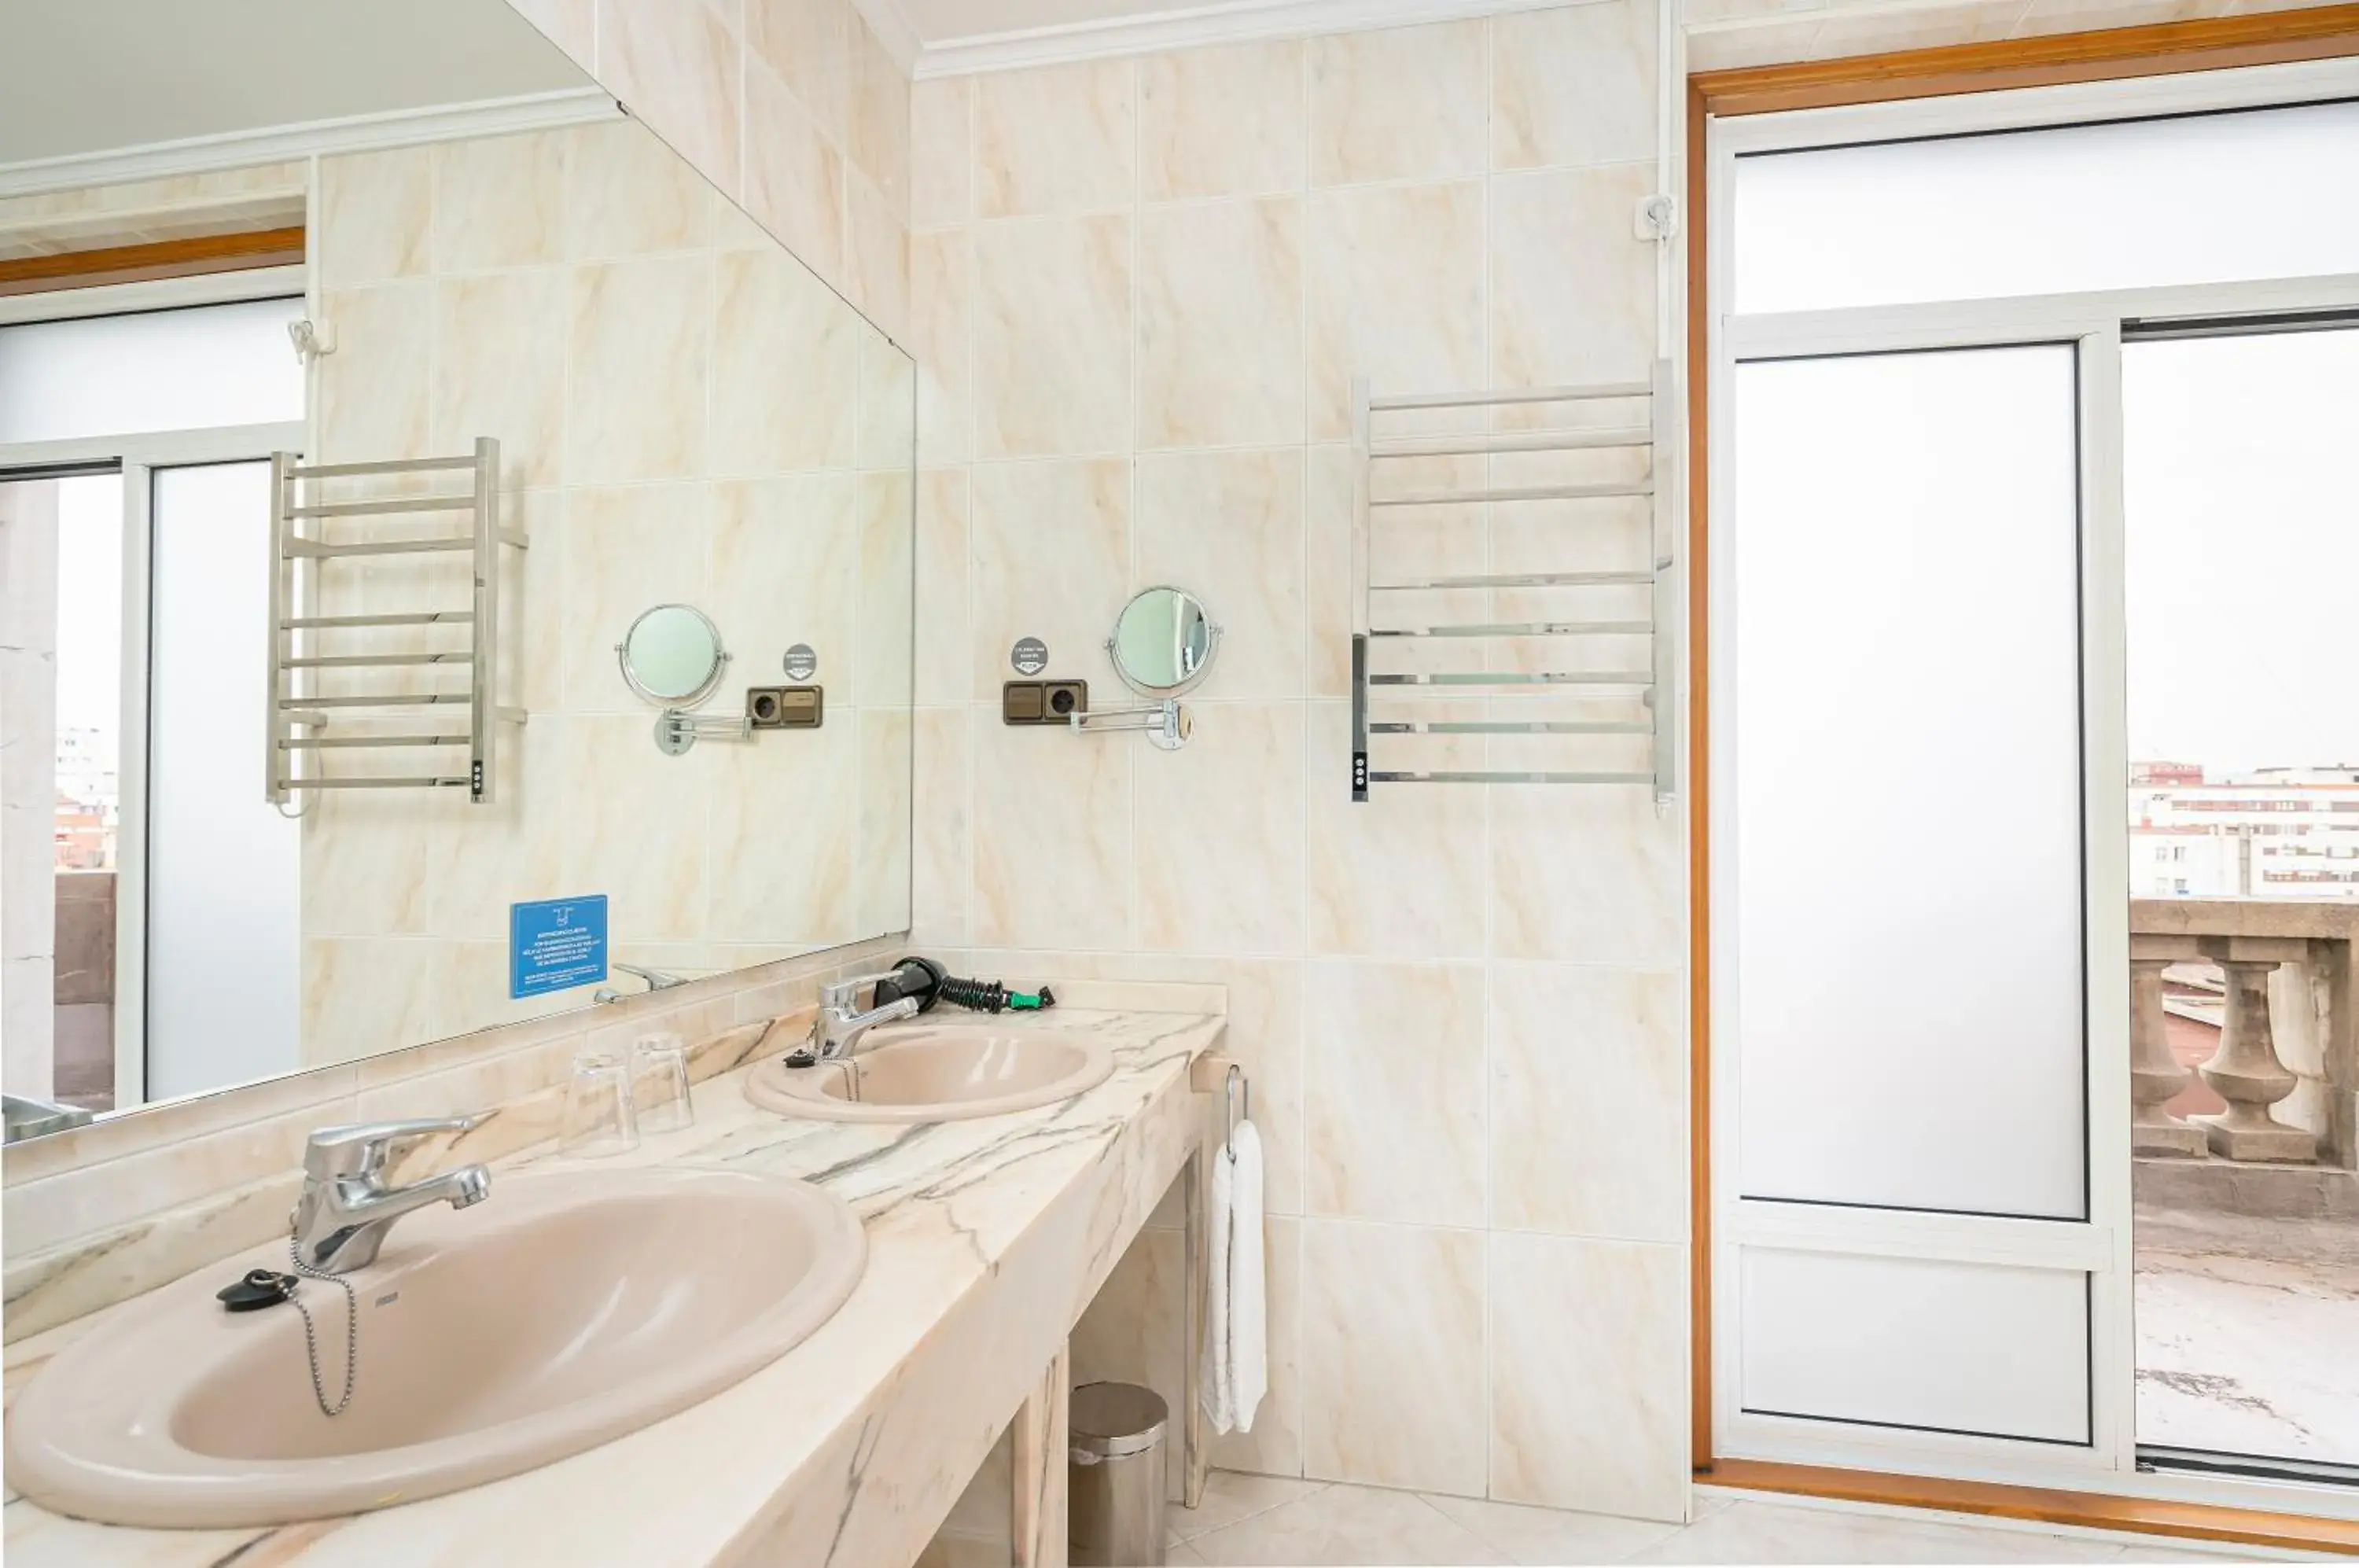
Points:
[[837, 1027], [346, 1208], [656, 979]]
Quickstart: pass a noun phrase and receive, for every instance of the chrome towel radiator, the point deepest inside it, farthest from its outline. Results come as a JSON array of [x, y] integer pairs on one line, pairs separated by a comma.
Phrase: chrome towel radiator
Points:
[[1515, 658], [310, 648]]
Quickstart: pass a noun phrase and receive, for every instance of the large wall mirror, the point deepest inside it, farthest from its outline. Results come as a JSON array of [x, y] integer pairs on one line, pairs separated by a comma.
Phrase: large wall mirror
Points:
[[318, 744]]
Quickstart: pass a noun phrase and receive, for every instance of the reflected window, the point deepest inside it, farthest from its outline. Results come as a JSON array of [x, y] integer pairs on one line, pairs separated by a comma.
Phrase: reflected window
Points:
[[199, 368]]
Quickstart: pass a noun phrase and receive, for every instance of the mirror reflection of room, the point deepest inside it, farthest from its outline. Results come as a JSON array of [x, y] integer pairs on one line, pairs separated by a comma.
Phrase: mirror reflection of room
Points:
[[286, 745]]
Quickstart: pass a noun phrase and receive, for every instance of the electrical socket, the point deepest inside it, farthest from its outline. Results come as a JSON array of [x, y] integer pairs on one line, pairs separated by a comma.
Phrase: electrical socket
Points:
[[786, 707], [1042, 702]]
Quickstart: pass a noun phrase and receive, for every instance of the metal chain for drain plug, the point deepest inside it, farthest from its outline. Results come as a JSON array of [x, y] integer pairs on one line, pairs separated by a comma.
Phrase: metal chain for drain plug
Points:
[[311, 1339]]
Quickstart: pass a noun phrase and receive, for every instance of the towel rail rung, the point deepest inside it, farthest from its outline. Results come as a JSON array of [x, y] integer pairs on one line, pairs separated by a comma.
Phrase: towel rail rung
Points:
[[317, 550], [1521, 628], [1520, 395], [1510, 443], [378, 660], [391, 465], [387, 700], [1520, 580], [1508, 727], [418, 782], [384, 508], [1518, 678], [354, 742], [1480, 776], [413, 618], [1514, 492]]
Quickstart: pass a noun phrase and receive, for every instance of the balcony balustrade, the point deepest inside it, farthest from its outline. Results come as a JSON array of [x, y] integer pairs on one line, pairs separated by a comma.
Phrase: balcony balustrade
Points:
[[2288, 1062]]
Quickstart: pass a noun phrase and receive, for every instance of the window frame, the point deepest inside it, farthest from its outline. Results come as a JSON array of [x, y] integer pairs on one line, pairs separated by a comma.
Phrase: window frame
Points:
[[137, 458], [1715, 342]]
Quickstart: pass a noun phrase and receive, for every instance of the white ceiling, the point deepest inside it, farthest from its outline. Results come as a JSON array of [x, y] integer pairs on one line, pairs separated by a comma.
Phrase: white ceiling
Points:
[[86, 76]]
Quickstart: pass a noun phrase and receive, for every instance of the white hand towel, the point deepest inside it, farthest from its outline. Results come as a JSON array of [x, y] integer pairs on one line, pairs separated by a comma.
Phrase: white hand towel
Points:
[[1217, 1392], [1248, 1320], [1235, 1371]]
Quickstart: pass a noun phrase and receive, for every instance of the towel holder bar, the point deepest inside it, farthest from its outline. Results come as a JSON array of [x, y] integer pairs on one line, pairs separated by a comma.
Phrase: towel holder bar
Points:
[[312, 611], [1214, 1070], [1560, 551], [1206, 1072]]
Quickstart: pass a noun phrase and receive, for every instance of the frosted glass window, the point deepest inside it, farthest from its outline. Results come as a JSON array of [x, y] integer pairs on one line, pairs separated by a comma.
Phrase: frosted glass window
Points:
[[157, 370], [223, 868], [2131, 205], [1915, 1341], [1908, 782]]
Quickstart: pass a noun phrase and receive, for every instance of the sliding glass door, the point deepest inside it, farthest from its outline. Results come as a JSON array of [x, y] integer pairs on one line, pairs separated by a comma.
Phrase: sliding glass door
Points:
[[2034, 786], [1906, 962], [2241, 513]]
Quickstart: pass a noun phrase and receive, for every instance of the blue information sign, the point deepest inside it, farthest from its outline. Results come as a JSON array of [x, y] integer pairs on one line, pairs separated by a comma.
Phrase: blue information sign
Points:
[[556, 943]]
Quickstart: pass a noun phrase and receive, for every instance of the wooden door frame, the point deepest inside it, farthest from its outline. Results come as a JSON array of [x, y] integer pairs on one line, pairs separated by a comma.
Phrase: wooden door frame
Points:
[[2111, 54], [194, 255]]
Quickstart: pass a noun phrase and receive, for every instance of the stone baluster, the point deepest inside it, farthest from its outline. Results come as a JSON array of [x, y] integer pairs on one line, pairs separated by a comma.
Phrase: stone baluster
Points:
[[2156, 1076], [2246, 1073]]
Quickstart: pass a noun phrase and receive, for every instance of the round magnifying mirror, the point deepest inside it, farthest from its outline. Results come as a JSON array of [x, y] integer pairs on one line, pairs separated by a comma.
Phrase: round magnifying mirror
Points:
[[1163, 642], [672, 654]]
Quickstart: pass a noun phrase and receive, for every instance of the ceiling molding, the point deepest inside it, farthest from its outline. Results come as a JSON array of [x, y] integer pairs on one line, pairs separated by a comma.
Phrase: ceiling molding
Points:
[[278, 143], [889, 20], [1192, 27]]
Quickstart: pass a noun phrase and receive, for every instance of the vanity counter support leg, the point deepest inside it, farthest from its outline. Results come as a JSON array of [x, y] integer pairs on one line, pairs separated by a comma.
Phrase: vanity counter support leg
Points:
[[1039, 1439]]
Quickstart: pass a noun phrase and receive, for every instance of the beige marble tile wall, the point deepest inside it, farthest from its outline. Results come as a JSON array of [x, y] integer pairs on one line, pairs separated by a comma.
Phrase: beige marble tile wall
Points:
[[792, 108], [1139, 288], [1727, 34], [685, 414], [98, 1214], [138, 212]]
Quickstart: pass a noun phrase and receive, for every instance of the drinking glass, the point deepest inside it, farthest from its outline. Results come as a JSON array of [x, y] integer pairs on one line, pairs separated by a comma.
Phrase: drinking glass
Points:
[[659, 1083], [599, 1117]]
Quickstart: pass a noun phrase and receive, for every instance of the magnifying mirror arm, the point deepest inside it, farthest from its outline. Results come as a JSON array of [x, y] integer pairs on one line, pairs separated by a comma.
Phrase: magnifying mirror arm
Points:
[[725, 725], [1168, 724], [678, 729]]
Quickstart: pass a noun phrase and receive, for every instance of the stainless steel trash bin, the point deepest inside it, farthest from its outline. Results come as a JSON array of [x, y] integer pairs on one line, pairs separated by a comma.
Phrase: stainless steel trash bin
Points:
[[1114, 1482]]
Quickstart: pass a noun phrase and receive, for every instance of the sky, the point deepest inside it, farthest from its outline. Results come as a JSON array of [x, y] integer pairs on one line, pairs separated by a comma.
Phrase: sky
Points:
[[2241, 507]]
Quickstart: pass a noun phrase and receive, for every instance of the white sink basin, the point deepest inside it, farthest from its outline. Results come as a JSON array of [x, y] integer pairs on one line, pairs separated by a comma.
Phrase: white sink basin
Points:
[[935, 1075], [566, 1310]]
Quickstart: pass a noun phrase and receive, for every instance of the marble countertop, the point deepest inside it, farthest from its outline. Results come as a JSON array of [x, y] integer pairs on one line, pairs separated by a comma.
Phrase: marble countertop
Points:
[[986, 1239]]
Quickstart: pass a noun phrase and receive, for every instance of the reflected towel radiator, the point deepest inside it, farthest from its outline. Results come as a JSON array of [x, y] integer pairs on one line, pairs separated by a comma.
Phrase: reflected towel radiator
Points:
[[1644, 418], [307, 646]]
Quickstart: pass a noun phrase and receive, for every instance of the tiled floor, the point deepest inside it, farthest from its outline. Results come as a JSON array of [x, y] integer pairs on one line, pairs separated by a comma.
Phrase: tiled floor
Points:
[[1256, 1521]]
